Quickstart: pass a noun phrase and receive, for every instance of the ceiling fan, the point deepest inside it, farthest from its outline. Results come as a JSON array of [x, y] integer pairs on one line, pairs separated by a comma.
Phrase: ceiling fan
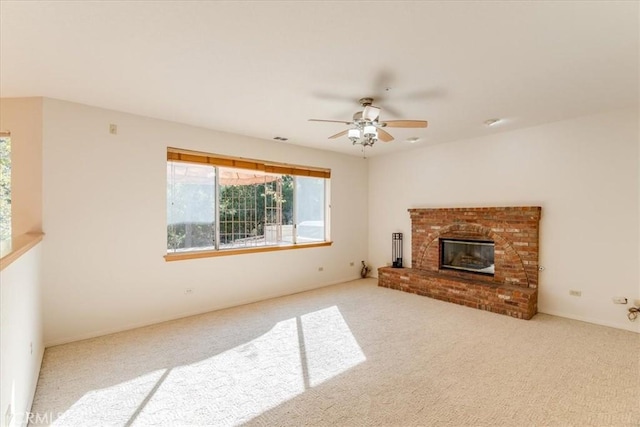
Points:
[[366, 127]]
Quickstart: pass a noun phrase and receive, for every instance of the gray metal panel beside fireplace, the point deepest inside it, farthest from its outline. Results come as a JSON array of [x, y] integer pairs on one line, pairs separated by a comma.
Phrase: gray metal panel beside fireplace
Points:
[[474, 256]]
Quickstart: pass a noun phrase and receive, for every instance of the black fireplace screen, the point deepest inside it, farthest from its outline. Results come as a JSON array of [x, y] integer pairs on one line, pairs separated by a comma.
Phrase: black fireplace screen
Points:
[[475, 256]]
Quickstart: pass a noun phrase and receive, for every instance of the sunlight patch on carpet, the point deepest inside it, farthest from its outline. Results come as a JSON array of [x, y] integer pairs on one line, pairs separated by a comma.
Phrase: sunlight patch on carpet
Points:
[[330, 346], [231, 387], [112, 405]]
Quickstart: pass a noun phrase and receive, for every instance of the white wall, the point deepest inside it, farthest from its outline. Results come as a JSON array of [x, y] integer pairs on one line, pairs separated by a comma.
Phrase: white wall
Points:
[[584, 174], [105, 219], [21, 343]]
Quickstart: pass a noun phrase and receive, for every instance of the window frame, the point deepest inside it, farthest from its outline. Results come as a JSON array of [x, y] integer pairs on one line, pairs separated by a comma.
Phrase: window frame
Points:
[[220, 161]]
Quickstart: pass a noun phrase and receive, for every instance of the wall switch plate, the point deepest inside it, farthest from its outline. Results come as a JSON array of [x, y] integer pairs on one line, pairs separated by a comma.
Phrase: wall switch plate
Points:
[[619, 300], [113, 129]]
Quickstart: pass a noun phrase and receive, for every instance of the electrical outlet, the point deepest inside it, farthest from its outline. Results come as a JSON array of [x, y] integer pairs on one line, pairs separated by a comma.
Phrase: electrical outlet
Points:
[[619, 300], [351, 263], [188, 291], [575, 293]]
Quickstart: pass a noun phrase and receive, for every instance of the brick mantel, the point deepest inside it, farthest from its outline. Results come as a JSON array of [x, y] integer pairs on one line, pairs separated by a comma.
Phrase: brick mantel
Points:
[[514, 231]]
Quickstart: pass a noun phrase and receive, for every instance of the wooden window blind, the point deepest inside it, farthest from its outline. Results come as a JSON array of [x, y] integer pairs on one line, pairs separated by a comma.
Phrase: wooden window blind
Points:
[[188, 156]]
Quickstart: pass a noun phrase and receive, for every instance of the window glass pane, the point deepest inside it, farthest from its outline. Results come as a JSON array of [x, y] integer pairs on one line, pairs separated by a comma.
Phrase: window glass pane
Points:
[[242, 208], [256, 208], [239, 192], [288, 183], [190, 206], [310, 206], [5, 188], [272, 212]]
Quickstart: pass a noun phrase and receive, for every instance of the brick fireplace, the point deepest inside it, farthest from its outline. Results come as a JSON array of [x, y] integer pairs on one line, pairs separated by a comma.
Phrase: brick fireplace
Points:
[[511, 288]]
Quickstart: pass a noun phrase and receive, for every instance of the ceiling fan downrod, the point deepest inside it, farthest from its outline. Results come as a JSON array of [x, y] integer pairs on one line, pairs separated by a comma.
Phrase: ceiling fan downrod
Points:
[[365, 102]]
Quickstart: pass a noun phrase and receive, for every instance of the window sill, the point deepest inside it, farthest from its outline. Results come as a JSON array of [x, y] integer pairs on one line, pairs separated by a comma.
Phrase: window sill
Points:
[[226, 252], [19, 246]]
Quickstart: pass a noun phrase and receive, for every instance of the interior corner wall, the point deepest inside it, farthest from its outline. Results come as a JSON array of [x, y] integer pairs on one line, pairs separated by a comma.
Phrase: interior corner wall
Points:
[[23, 118], [21, 343], [584, 174], [105, 224]]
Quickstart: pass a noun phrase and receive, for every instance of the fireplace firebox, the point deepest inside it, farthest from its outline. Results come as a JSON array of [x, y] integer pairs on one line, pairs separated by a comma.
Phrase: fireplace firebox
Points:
[[473, 256]]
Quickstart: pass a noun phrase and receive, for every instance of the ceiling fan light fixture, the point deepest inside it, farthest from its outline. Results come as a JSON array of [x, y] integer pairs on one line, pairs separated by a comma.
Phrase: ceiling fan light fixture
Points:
[[370, 131], [354, 134], [370, 113]]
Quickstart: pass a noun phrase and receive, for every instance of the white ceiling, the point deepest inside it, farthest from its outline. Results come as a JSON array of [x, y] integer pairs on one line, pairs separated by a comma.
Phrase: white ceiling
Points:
[[263, 68]]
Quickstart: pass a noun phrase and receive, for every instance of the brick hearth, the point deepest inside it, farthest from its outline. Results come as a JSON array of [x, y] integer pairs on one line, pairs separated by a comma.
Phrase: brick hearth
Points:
[[514, 231]]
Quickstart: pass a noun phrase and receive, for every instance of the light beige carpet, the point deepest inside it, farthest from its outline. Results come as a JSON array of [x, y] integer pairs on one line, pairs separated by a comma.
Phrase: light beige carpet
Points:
[[347, 355]]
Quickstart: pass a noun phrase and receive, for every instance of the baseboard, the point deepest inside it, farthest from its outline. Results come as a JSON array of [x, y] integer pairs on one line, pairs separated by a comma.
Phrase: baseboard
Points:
[[632, 327], [629, 326], [155, 321]]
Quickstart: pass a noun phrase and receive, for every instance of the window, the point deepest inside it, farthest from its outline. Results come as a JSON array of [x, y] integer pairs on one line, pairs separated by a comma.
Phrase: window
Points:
[[191, 196], [5, 188], [225, 205]]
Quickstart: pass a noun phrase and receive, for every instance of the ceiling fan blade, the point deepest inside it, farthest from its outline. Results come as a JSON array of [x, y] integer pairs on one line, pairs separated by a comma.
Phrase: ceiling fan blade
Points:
[[406, 123], [330, 121], [384, 136], [339, 134]]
